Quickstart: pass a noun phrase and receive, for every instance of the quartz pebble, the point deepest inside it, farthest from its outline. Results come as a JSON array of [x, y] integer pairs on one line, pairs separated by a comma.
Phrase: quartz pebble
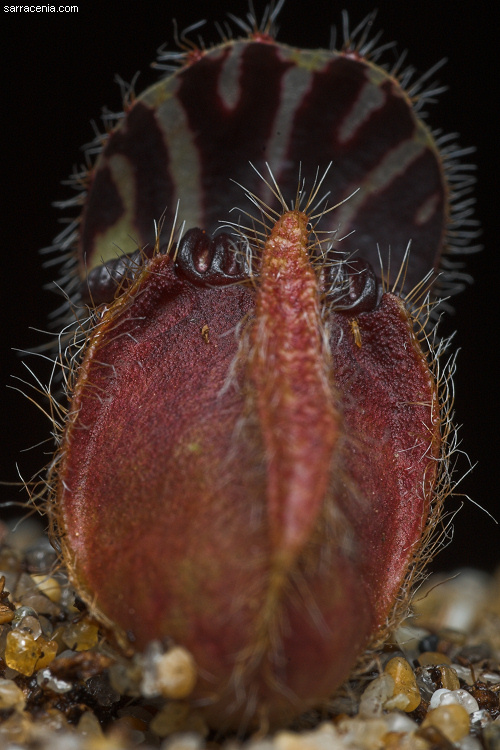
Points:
[[42, 557], [398, 722], [360, 733], [183, 741], [172, 718], [449, 678], [409, 639], [431, 678], [48, 652], [46, 626], [29, 624], [178, 717], [176, 673], [22, 652], [21, 613], [456, 603], [88, 726], [129, 697], [81, 635], [126, 678], [14, 731], [451, 720], [444, 697], [491, 736], [476, 652], [430, 658], [45, 678], [425, 680], [29, 594], [131, 728], [138, 714], [480, 719], [469, 743], [376, 694], [11, 696], [451, 637], [56, 720], [24, 533], [491, 677], [172, 674], [286, 740], [406, 695], [48, 586]]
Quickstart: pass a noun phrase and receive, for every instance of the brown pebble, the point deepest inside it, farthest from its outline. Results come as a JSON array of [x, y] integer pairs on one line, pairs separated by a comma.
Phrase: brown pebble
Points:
[[392, 740], [11, 696], [48, 586], [491, 737], [485, 697], [405, 685], [177, 717], [434, 738], [429, 658], [476, 653], [6, 614], [448, 678], [130, 724], [397, 741], [89, 726], [80, 666], [451, 637], [452, 720], [81, 635], [6, 608], [420, 712]]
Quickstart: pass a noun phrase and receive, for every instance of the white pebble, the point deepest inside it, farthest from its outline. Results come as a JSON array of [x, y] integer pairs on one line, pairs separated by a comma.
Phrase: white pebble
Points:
[[172, 674], [45, 678], [356, 732], [63, 741], [443, 697], [468, 743], [177, 673], [491, 677], [467, 701], [183, 741], [480, 719], [398, 722], [463, 597], [375, 695], [438, 696]]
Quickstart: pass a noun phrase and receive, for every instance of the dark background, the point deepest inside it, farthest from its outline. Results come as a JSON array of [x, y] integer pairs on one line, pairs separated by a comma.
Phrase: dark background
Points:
[[57, 72]]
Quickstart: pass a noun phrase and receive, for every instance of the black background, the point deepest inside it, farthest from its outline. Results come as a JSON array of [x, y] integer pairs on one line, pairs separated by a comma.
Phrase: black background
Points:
[[57, 72]]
